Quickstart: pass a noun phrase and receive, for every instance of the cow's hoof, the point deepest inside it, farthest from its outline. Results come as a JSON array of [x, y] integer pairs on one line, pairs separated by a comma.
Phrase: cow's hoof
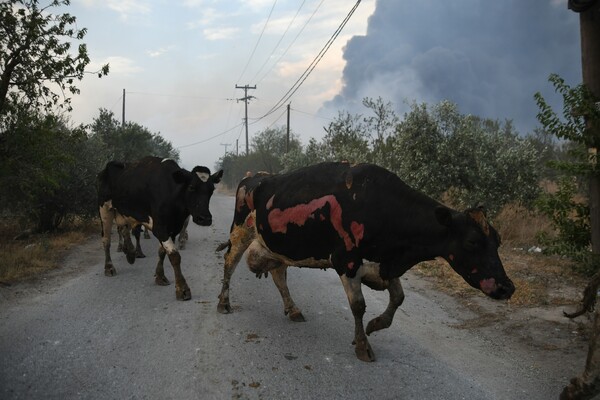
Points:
[[364, 352], [183, 294], [139, 254], [224, 308], [296, 316], [110, 271], [130, 257], [161, 280]]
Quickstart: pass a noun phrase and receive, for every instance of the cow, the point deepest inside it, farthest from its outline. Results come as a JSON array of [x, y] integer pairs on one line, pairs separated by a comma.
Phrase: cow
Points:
[[159, 195], [335, 215], [587, 384]]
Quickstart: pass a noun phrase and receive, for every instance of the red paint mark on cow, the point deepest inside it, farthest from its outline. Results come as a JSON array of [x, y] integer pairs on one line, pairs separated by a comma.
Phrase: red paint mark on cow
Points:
[[298, 215], [474, 271], [451, 257], [351, 265], [487, 285], [358, 231], [270, 202], [249, 222]]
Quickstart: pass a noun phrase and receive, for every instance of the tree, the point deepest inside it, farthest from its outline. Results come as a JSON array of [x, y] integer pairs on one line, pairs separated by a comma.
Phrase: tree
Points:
[[36, 55], [131, 141]]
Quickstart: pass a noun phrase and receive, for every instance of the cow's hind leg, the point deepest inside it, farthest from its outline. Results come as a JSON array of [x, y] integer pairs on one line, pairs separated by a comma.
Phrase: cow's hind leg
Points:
[[279, 276], [106, 219], [362, 348], [128, 247], [239, 239], [182, 290], [372, 278]]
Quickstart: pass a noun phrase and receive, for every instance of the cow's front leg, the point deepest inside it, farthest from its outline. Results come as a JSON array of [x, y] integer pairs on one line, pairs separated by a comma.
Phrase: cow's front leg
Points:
[[159, 273], [239, 240], [370, 276], [362, 348], [106, 219], [280, 279], [182, 290]]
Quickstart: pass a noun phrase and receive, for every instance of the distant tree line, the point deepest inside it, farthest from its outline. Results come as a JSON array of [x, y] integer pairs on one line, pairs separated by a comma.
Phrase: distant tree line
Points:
[[48, 169], [436, 149]]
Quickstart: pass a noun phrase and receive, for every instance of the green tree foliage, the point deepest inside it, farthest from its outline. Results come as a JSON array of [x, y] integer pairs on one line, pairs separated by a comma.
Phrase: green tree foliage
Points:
[[37, 63], [131, 141], [41, 169], [268, 149], [435, 149], [571, 219]]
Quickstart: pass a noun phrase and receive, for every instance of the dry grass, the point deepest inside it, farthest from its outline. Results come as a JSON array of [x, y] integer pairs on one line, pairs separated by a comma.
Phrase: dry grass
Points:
[[37, 253]]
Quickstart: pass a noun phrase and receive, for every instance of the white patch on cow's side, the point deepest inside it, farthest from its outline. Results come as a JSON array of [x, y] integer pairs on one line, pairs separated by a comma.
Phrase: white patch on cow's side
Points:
[[203, 176], [169, 246], [166, 159]]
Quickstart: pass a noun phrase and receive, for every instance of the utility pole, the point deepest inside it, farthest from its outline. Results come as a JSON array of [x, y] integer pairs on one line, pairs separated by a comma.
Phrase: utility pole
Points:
[[123, 114], [287, 137], [245, 99], [589, 24], [226, 145]]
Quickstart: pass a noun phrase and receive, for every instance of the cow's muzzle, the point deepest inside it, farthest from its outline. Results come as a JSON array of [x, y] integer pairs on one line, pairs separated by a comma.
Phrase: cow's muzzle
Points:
[[498, 290], [203, 220]]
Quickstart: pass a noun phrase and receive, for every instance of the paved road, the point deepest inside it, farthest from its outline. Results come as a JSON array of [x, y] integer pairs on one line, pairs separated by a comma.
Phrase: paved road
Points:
[[79, 334]]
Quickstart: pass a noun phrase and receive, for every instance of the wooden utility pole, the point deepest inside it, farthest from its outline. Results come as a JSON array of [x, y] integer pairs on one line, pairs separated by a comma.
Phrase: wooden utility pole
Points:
[[589, 23], [123, 114], [245, 99], [287, 137]]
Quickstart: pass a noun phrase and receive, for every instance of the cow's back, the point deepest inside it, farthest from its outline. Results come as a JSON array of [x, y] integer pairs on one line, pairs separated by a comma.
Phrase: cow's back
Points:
[[136, 188]]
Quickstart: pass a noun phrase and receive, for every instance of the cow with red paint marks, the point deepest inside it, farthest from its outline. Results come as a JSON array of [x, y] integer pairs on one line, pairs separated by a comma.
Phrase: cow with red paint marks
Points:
[[335, 215]]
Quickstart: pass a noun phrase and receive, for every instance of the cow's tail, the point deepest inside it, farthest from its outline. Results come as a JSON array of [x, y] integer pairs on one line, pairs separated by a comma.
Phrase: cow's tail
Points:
[[224, 245]]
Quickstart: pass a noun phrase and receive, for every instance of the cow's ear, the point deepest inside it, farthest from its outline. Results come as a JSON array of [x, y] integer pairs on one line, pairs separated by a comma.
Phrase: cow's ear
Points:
[[443, 215], [216, 177], [182, 176]]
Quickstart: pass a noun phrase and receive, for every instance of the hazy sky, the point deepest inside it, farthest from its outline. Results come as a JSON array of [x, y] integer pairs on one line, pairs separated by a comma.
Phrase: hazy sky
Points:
[[179, 61]]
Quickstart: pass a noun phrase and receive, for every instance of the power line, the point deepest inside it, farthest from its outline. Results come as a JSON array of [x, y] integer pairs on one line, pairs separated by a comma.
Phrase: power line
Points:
[[258, 41], [180, 95], [278, 42], [292, 43], [312, 65], [210, 138]]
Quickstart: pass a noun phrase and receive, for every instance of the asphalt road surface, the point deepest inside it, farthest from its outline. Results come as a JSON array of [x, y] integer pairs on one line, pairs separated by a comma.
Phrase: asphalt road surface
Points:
[[79, 334]]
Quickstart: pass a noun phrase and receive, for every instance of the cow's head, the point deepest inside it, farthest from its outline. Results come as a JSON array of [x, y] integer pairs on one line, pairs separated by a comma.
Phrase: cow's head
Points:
[[199, 187], [472, 251]]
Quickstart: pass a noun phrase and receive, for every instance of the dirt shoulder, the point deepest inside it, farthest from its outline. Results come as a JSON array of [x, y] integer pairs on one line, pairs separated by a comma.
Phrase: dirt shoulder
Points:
[[532, 322]]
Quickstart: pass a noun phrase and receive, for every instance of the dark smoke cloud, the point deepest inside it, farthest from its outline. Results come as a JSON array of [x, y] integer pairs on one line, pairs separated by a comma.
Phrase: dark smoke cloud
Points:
[[487, 56]]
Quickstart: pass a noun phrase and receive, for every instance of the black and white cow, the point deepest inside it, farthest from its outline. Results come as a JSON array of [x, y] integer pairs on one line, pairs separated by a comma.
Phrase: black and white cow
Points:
[[159, 195], [335, 215]]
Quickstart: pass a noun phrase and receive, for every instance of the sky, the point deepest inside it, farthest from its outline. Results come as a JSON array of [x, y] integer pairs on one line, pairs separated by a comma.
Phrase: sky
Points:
[[179, 62]]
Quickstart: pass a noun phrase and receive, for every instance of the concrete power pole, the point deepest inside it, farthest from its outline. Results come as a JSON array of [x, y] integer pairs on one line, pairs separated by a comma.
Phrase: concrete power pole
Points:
[[589, 23], [245, 99]]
